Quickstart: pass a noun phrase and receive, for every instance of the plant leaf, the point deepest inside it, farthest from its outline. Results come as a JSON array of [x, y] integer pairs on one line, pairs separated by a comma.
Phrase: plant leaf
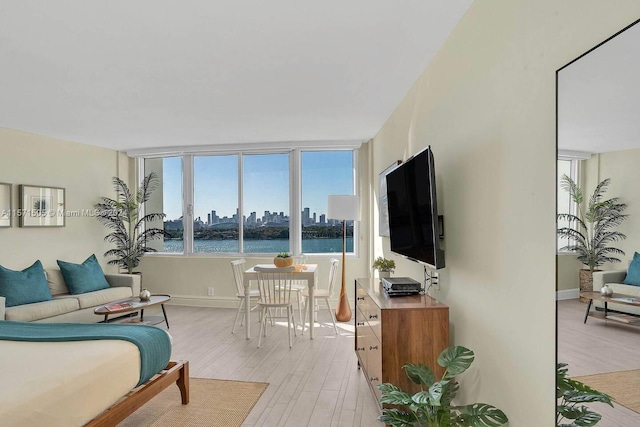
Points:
[[480, 415], [420, 374], [456, 360], [397, 418]]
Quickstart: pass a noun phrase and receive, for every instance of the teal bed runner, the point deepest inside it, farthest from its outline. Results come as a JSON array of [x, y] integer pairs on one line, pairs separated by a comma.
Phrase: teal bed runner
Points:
[[153, 342]]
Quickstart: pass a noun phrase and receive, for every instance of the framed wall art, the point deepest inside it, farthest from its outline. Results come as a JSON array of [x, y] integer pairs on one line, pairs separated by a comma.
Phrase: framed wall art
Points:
[[5, 205], [41, 206], [383, 217]]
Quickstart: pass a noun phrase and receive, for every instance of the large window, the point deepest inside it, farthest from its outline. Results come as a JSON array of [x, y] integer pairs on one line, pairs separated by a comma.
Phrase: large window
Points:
[[253, 203], [168, 199], [215, 204], [265, 201], [324, 173]]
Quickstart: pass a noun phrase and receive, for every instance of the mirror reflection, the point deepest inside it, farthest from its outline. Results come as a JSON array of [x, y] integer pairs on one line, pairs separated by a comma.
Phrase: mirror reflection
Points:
[[598, 131]]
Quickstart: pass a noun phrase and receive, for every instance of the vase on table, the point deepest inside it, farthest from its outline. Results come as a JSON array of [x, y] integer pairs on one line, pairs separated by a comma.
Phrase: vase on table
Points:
[[606, 291], [145, 295]]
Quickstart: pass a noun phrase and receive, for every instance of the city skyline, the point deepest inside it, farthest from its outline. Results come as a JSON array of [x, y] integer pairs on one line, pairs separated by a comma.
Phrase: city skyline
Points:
[[265, 182]]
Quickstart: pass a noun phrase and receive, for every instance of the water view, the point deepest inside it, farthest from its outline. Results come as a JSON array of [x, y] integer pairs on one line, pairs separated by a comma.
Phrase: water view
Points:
[[260, 246]]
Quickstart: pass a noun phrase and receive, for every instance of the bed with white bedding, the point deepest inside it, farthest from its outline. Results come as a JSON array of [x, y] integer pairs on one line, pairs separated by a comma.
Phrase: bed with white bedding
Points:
[[94, 376]]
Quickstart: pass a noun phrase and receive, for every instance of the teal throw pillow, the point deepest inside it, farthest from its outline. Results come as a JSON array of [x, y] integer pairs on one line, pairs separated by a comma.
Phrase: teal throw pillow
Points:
[[83, 278], [633, 273], [24, 287]]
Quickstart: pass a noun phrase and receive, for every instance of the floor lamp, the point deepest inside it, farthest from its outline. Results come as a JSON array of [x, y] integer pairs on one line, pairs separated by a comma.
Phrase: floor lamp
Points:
[[344, 208]]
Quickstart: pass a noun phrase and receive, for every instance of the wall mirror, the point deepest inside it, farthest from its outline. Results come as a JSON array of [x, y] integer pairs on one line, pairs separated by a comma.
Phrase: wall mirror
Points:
[[598, 137]]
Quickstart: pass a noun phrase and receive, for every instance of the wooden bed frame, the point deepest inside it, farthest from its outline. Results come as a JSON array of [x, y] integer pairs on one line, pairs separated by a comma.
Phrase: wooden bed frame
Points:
[[175, 372]]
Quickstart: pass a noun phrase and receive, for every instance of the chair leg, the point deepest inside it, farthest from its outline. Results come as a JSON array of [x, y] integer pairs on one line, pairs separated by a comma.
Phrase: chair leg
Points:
[[333, 316], [237, 315], [263, 325], [306, 314], [289, 318]]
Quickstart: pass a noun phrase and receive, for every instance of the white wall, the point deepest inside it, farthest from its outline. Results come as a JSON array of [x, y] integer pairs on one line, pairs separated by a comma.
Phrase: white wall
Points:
[[84, 171], [486, 105]]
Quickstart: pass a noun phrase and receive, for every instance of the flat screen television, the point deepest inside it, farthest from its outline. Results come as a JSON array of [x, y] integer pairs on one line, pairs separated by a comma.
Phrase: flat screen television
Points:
[[413, 210]]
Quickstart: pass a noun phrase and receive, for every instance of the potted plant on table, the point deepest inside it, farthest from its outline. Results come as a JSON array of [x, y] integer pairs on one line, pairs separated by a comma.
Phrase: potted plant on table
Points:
[[432, 407], [283, 259], [384, 266], [126, 219], [591, 230]]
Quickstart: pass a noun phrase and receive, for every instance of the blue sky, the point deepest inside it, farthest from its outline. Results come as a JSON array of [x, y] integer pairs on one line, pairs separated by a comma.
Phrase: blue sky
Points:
[[266, 182]]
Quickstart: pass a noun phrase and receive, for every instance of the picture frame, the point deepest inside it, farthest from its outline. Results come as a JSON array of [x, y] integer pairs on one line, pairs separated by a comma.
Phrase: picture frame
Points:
[[41, 206], [383, 205], [5, 205]]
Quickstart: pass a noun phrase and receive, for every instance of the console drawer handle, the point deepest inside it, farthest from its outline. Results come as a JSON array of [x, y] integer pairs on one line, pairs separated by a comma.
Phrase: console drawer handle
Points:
[[373, 316], [373, 347], [360, 323], [372, 379], [359, 348], [359, 298]]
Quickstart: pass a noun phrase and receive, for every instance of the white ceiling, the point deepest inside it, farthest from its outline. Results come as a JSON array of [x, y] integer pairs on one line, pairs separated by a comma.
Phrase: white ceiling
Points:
[[141, 74], [599, 97]]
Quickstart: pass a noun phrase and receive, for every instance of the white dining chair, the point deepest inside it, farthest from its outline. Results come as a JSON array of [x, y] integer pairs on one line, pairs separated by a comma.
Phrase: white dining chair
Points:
[[238, 269], [274, 285], [324, 294]]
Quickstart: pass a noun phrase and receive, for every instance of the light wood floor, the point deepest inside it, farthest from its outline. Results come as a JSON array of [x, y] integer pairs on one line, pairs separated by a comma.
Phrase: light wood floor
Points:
[[315, 383], [596, 347]]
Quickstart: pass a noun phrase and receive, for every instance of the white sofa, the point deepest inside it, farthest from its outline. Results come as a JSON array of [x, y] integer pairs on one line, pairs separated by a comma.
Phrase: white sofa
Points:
[[614, 279], [65, 307]]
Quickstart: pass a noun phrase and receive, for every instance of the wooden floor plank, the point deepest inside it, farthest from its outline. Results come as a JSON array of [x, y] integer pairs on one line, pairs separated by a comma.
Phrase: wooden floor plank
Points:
[[316, 382]]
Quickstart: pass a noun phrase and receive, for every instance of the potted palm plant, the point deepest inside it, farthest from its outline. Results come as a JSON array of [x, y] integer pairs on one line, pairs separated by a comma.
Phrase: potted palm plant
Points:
[[432, 407], [591, 230], [126, 219]]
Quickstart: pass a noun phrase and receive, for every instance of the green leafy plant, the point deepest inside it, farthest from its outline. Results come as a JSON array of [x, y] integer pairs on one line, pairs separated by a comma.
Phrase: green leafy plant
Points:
[[382, 264], [283, 255], [571, 395], [432, 406], [590, 231], [124, 217]]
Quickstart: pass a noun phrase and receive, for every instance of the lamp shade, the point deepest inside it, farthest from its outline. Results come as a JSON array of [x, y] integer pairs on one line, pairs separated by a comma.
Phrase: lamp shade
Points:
[[343, 207]]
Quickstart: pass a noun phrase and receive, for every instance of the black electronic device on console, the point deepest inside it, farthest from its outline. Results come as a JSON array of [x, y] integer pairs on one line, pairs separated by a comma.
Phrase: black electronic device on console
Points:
[[401, 286]]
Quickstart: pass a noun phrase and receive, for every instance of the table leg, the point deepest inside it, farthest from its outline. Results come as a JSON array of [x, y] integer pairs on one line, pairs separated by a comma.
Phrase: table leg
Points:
[[587, 313], [106, 317], [247, 308], [312, 306], [141, 315], [605, 309], [165, 315]]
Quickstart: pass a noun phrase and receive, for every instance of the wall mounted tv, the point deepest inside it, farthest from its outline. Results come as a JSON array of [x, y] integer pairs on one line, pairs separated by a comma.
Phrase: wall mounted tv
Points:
[[413, 210]]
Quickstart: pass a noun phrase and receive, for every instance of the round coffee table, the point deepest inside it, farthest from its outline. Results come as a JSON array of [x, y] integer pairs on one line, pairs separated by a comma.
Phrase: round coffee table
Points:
[[134, 304]]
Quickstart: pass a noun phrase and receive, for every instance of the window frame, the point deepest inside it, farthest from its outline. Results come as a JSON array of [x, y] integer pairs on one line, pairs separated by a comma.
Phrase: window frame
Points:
[[575, 174], [295, 191]]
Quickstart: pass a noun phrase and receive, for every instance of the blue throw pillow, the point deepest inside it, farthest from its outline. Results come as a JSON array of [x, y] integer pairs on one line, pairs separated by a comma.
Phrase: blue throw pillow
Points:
[[83, 278], [633, 273], [24, 287]]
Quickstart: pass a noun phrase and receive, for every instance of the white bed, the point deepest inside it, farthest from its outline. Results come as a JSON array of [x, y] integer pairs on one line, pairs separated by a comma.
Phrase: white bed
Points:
[[76, 383]]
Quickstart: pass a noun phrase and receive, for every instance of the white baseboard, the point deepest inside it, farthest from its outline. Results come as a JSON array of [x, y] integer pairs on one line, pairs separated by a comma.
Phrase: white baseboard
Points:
[[567, 294]]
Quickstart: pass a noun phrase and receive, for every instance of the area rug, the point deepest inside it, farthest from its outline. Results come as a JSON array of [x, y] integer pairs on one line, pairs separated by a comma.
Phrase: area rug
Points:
[[622, 386], [211, 403]]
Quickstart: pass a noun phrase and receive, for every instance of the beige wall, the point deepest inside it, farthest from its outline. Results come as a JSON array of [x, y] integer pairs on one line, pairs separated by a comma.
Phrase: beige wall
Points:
[[486, 105], [85, 172]]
